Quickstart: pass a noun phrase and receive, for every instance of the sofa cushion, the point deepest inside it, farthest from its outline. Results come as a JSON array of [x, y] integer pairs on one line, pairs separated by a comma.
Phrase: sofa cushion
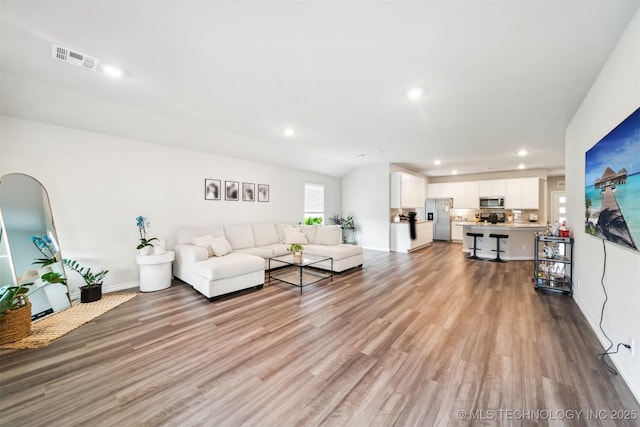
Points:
[[295, 236], [262, 252], [265, 234], [240, 236], [221, 246], [280, 229], [204, 242], [329, 235], [185, 235], [232, 265], [310, 231], [278, 249], [334, 251]]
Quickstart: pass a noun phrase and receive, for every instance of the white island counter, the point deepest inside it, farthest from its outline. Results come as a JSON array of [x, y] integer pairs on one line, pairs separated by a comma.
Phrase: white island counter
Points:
[[519, 246]]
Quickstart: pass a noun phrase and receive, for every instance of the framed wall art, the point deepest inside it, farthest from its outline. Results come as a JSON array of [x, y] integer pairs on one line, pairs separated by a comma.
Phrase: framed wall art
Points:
[[263, 193], [231, 190], [248, 192], [612, 180], [212, 189]]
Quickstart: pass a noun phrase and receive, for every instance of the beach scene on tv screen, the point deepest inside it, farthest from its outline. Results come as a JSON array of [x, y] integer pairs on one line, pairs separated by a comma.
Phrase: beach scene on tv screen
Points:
[[612, 185]]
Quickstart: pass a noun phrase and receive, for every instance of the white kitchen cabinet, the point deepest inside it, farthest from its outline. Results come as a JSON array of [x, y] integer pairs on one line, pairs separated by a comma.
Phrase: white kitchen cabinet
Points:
[[456, 231], [440, 190], [459, 194], [522, 193], [434, 191], [407, 191], [401, 241], [472, 199], [491, 187]]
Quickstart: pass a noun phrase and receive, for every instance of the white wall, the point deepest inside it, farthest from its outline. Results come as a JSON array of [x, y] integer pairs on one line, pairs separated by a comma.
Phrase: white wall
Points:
[[614, 95], [365, 193], [98, 184]]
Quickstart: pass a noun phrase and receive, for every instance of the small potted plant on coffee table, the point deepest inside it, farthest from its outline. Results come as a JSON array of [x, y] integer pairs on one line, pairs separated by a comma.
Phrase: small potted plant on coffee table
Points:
[[92, 291], [296, 250]]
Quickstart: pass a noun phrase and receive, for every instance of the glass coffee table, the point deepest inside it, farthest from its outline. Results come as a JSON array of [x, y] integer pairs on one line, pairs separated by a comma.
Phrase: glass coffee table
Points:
[[300, 272]]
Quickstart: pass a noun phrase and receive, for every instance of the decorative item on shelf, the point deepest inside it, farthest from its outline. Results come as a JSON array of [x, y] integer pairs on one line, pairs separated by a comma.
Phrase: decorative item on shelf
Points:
[[92, 291], [296, 250], [46, 248], [145, 247], [348, 223], [15, 313], [159, 247]]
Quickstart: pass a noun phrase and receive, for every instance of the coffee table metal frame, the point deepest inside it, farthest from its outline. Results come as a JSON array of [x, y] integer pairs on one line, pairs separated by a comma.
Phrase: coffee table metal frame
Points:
[[304, 265]]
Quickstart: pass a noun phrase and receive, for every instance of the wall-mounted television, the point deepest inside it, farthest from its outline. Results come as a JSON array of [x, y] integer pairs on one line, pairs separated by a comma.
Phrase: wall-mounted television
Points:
[[612, 185]]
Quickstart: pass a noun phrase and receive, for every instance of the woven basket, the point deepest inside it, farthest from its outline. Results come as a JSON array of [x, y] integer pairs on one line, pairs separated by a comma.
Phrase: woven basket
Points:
[[15, 324]]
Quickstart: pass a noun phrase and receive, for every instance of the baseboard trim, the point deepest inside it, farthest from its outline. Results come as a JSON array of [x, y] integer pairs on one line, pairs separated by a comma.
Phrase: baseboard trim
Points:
[[111, 288]]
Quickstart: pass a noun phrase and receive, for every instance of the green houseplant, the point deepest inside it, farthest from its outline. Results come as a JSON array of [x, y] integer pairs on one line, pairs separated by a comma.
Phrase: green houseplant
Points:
[[92, 290], [296, 250], [15, 313]]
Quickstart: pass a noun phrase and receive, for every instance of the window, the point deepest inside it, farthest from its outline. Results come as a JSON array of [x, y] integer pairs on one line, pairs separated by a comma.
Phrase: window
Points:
[[314, 202]]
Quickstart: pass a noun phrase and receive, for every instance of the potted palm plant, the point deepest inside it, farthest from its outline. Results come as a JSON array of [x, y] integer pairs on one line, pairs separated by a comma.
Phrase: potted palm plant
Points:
[[92, 290], [15, 313]]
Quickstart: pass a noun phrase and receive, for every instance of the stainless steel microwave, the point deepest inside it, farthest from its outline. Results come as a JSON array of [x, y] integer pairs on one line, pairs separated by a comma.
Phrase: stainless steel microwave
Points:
[[492, 202]]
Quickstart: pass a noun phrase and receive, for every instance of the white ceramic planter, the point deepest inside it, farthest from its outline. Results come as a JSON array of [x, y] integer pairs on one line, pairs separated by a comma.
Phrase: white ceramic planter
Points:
[[147, 250], [159, 247]]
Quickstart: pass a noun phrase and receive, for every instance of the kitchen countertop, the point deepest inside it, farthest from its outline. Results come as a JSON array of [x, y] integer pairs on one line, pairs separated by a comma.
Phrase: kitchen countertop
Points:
[[502, 224]]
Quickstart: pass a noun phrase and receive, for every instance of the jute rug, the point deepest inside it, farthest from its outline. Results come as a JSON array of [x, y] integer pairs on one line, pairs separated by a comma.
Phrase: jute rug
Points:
[[44, 331]]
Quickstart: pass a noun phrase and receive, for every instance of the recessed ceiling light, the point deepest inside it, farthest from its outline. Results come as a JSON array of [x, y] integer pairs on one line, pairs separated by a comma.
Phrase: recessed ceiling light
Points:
[[361, 155], [522, 153], [521, 166], [290, 132], [454, 172], [437, 162], [415, 93], [112, 71]]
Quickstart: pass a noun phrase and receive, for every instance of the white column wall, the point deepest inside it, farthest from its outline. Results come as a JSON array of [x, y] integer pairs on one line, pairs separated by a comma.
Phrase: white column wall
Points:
[[614, 95]]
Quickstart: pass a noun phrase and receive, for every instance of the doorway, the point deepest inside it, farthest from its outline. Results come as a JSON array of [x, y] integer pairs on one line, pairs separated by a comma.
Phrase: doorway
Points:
[[558, 207]]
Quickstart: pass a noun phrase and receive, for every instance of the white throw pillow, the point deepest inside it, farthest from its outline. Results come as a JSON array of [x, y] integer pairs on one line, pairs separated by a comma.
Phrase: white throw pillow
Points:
[[280, 229], [204, 242], [310, 231], [294, 236], [221, 246], [329, 236]]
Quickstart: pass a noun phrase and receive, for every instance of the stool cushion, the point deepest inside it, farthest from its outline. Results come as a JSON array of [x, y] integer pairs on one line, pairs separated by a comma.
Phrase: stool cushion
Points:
[[475, 234], [499, 236]]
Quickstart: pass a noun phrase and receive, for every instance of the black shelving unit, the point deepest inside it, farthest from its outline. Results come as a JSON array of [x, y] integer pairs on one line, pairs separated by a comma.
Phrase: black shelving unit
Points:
[[553, 265]]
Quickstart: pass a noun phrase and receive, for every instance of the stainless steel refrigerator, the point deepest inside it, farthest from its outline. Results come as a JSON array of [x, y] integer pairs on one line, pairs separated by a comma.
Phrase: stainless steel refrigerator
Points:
[[438, 210]]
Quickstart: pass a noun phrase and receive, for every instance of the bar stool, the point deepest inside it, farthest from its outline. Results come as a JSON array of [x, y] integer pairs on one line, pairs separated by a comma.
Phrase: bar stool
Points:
[[475, 236], [497, 249]]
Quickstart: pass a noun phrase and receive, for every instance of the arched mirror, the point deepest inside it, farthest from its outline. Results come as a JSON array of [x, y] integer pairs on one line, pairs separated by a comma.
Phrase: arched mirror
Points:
[[29, 243]]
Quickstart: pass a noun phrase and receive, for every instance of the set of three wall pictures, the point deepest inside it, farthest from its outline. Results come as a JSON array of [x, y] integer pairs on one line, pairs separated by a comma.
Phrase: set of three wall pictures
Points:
[[213, 191]]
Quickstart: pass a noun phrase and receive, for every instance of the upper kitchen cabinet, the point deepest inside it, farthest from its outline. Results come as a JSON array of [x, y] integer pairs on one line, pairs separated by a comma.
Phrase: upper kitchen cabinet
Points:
[[522, 193], [407, 191], [465, 195], [491, 187], [440, 190]]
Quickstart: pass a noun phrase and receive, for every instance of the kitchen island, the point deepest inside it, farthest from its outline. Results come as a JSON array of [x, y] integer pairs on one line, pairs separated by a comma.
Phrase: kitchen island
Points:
[[400, 240], [518, 247]]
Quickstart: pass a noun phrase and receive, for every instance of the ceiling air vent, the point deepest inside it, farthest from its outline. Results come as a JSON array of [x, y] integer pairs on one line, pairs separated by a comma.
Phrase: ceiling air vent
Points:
[[74, 58]]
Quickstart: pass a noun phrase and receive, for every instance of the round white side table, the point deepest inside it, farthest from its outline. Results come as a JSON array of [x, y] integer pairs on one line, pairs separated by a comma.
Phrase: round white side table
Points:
[[155, 271]]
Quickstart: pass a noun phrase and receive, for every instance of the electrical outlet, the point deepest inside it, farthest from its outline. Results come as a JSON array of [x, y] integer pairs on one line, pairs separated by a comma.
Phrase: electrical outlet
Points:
[[524, 247]]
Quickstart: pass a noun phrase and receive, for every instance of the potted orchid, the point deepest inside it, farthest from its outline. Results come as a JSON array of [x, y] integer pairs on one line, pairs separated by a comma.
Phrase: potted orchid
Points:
[[47, 249], [145, 247]]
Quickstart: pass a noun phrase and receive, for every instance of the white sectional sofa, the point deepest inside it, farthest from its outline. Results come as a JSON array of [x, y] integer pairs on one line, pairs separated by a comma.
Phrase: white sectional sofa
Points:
[[227, 258]]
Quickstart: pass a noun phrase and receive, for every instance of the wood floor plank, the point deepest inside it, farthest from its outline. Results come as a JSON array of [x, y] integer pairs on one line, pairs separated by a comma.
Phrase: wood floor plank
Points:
[[410, 339]]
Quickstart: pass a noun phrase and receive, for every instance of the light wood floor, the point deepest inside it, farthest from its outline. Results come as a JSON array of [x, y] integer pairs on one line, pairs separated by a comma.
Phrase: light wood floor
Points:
[[410, 339]]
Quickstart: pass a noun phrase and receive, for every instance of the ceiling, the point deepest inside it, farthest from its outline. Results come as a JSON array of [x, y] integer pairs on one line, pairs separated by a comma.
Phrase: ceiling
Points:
[[227, 77]]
